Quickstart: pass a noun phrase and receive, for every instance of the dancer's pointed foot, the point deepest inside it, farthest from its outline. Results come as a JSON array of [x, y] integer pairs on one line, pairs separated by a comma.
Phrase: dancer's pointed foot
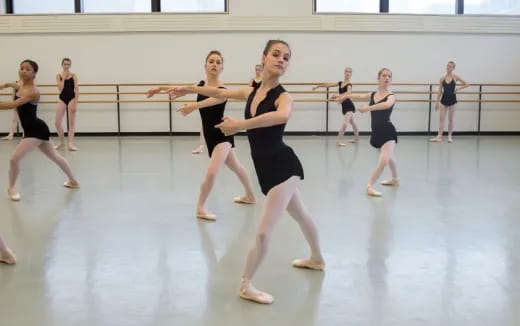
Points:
[[198, 150]]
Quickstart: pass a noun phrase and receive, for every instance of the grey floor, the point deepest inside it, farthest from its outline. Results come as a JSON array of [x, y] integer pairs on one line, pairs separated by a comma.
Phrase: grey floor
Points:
[[125, 249]]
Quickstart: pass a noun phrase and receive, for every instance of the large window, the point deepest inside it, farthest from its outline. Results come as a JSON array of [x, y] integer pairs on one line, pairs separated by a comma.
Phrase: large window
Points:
[[344, 6], [115, 6], [193, 5], [507, 7], [43, 7], [2, 7], [422, 6]]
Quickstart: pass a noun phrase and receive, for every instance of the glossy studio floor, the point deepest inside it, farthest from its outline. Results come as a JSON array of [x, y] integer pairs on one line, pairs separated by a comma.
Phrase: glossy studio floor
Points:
[[126, 248]]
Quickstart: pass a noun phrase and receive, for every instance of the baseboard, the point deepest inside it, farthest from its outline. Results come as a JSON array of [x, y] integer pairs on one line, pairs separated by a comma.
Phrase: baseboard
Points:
[[290, 133]]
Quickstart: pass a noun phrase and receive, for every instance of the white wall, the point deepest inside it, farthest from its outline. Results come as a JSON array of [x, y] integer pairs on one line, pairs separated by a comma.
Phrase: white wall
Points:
[[319, 54]]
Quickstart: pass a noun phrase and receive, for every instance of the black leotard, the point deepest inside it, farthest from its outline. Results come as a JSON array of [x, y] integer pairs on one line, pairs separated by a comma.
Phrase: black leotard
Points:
[[211, 116], [347, 105], [448, 93], [382, 128], [67, 93], [274, 161], [255, 84], [33, 127]]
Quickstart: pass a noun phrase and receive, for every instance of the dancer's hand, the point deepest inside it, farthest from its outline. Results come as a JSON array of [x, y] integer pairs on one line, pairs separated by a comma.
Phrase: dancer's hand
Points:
[[364, 109], [187, 109], [229, 126], [338, 98], [152, 91], [177, 91]]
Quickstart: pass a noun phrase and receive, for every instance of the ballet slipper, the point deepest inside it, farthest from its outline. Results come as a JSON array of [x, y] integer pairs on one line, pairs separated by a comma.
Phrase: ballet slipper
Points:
[[355, 140], [249, 292], [13, 195], [308, 264], [436, 140], [72, 148], [244, 200], [450, 140], [8, 137], [372, 192], [197, 150], [71, 184], [207, 216], [59, 146], [7, 257], [340, 144], [391, 182]]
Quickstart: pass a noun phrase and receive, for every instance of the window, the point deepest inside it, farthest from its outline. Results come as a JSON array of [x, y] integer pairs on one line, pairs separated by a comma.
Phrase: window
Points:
[[116, 6], [422, 6], [344, 6], [193, 6], [496, 7], [43, 7]]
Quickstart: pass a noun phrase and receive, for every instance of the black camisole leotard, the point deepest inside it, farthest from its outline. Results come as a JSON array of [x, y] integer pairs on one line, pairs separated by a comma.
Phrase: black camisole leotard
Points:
[[448, 93], [383, 130], [274, 161], [211, 116], [67, 93], [347, 105], [33, 127]]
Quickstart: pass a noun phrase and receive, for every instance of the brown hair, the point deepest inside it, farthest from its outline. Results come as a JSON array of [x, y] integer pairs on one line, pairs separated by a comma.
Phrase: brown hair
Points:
[[453, 63], [65, 59], [381, 71], [270, 44], [217, 52]]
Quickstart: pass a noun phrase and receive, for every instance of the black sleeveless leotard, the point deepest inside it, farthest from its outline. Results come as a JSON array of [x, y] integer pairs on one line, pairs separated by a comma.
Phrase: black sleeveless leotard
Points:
[[448, 93], [382, 128], [274, 161], [33, 127], [211, 116], [347, 105], [67, 93]]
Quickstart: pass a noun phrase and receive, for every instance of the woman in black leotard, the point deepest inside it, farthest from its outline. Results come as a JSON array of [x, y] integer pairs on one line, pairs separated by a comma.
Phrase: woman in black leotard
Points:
[[446, 100], [278, 169], [36, 132], [347, 107], [255, 82], [384, 135], [67, 83], [220, 147]]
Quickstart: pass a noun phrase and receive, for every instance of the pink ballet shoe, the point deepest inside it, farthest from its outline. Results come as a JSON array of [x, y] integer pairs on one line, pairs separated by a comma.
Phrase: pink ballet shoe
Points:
[[249, 292], [372, 192], [207, 216], [198, 150], [13, 195], [7, 257], [308, 264], [244, 200], [71, 184], [436, 140], [391, 182]]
